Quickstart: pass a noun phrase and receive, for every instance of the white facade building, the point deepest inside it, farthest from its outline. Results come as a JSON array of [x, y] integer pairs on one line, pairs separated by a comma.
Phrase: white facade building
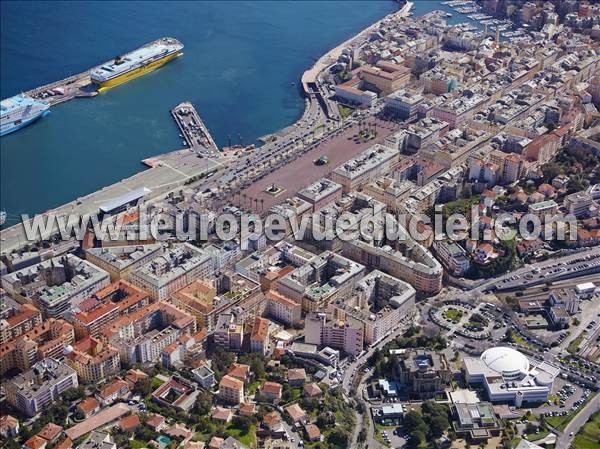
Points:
[[508, 376]]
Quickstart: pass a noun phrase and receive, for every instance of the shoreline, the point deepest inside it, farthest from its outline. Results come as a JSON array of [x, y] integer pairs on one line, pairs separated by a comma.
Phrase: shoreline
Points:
[[331, 56], [12, 236]]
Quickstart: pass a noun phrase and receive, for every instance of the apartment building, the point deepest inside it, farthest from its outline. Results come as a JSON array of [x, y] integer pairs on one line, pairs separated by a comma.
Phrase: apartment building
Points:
[[141, 336], [32, 391], [283, 309], [453, 257], [18, 319], [121, 261], [93, 360], [259, 337], [106, 305], [197, 299], [231, 390], [229, 333], [380, 303], [578, 203], [512, 165], [223, 255], [185, 351], [321, 193], [484, 172], [319, 280], [174, 269], [56, 285], [368, 165], [45, 340], [403, 104], [423, 133], [128, 297], [292, 209], [389, 191], [455, 147], [346, 335], [91, 322], [459, 110], [415, 265], [543, 209]]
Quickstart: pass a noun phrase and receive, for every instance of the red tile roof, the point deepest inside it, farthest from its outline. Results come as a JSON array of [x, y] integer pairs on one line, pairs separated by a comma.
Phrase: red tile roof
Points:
[[112, 388], [239, 371], [35, 442], [272, 388], [88, 404], [260, 329], [231, 382], [155, 421], [50, 431], [130, 422]]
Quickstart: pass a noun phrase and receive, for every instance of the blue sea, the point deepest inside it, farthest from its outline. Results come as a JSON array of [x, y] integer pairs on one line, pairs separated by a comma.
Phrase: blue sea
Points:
[[239, 65]]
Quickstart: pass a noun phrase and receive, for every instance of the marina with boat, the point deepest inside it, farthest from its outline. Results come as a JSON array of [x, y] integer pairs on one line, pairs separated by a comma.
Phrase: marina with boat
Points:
[[488, 22]]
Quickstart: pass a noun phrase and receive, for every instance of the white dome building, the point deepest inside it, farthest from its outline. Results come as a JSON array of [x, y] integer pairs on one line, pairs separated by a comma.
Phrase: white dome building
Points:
[[507, 362], [509, 376]]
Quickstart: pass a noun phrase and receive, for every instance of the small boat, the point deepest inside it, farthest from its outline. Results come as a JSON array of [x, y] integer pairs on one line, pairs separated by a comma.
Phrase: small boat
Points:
[[448, 14]]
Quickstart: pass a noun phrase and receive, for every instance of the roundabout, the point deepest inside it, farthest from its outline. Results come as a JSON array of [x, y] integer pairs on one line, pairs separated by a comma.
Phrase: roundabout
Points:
[[462, 319]]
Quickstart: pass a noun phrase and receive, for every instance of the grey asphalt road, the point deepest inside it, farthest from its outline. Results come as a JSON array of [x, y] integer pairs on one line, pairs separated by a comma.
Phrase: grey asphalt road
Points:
[[565, 438]]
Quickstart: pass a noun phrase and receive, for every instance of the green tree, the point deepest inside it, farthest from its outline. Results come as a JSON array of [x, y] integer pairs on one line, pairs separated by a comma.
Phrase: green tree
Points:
[[438, 425], [413, 422], [338, 438], [10, 443], [143, 387], [73, 394], [416, 438], [325, 420], [203, 403], [222, 360]]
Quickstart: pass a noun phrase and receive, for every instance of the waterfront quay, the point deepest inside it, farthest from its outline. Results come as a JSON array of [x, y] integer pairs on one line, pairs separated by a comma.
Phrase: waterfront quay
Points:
[[311, 75], [76, 86], [193, 130], [166, 173], [311, 79]]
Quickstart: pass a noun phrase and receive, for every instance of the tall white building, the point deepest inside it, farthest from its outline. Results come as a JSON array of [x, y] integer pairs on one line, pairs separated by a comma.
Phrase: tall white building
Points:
[[346, 335], [380, 303], [34, 390]]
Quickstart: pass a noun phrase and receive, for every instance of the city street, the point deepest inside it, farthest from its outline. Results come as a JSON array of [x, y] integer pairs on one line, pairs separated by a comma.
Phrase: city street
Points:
[[548, 270], [565, 438]]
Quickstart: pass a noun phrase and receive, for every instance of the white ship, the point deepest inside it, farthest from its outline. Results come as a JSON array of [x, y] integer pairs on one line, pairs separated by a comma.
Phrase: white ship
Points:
[[20, 111]]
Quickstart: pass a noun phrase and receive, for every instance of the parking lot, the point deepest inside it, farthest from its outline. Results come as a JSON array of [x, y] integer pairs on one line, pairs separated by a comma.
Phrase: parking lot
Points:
[[393, 436], [576, 265]]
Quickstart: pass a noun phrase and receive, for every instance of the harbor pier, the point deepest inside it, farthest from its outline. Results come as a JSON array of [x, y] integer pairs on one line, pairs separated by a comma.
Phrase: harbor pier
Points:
[[193, 130], [76, 86]]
